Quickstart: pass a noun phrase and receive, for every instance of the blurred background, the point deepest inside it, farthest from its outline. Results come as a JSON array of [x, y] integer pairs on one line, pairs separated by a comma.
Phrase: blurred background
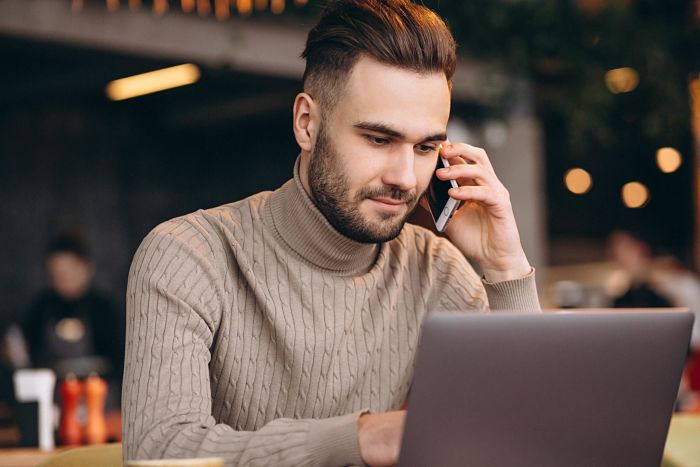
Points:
[[589, 110]]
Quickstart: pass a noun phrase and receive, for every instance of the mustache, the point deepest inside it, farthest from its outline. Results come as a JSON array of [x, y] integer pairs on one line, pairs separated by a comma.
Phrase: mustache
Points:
[[408, 197]]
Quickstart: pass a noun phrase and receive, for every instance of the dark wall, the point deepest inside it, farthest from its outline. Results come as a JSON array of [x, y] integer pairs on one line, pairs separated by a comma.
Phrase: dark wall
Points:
[[117, 171]]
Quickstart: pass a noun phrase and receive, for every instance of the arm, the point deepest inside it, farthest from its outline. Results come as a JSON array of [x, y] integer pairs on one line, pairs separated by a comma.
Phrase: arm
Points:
[[174, 301], [484, 229], [109, 335]]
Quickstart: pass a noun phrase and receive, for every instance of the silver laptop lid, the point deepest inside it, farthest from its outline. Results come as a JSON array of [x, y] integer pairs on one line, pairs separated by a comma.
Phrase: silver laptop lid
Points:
[[549, 389]]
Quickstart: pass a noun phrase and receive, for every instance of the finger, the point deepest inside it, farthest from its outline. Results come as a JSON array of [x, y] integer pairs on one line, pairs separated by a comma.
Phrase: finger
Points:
[[467, 152], [481, 194], [469, 172]]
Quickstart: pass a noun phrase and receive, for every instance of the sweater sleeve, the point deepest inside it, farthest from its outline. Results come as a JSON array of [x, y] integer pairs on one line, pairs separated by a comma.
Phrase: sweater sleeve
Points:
[[457, 286], [174, 302], [518, 294]]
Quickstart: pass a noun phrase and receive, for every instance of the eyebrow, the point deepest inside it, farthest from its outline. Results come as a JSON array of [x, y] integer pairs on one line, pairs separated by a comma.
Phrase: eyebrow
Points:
[[387, 130]]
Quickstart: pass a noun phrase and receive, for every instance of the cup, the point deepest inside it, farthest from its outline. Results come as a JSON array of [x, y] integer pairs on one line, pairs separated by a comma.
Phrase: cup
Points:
[[201, 462]]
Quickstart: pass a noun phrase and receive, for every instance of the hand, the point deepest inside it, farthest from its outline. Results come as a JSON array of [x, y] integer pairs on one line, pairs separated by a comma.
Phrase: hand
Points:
[[484, 228], [379, 436]]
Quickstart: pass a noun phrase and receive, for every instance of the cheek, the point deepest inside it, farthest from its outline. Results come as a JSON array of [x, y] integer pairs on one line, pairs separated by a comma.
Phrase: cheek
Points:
[[424, 172]]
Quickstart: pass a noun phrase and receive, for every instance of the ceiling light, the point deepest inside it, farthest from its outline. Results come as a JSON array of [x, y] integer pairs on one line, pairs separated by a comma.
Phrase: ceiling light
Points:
[[153, 81]]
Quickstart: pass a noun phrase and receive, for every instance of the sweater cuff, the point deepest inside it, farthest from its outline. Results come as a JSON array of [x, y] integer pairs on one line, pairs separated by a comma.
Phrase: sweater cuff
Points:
[[333, 441], [516, 295]]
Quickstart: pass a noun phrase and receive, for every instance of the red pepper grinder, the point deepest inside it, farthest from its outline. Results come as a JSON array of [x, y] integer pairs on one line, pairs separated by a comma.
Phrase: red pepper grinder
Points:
[[95, 395], [69, 431]]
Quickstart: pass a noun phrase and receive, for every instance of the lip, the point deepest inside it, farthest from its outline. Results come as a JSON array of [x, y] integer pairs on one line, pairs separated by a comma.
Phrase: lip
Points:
[[388, 203]]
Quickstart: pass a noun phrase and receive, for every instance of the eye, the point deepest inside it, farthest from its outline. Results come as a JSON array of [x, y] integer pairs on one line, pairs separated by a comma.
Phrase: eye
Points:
[[377, 140], [425, 148]]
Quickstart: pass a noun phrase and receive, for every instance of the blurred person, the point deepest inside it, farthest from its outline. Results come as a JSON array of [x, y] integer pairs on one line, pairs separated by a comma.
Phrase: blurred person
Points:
[[282, 329], [651, 288], [682, 287], [72, 327], [633, 256]]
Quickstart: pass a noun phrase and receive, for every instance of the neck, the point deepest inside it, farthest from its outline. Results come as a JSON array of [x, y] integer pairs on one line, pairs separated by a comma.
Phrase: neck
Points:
[[301, 227], [304, 159]]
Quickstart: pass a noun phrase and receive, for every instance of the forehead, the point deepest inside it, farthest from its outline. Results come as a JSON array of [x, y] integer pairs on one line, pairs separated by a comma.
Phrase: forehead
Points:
[[65, 258], [413, 103]]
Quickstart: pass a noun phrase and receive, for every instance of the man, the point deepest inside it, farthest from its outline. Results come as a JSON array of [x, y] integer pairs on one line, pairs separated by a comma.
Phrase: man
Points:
[[282, 329], [633, 256], [73, 327]]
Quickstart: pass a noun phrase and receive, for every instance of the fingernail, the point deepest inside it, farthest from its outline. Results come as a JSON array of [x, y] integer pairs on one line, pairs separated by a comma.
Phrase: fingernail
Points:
[[444, 171]]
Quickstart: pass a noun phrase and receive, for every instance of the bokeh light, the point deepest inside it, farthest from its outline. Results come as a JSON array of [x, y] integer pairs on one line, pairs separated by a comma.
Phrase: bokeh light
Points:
[[635, 195], [578, 181], [622, 80], [668, 159]]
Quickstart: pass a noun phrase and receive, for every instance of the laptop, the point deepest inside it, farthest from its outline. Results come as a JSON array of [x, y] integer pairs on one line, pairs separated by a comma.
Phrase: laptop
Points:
[[545, 389]]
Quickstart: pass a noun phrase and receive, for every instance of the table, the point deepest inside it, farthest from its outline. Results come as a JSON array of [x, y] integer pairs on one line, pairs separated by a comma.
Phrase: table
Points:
[[683, 442], [682, 447], [24, 457]]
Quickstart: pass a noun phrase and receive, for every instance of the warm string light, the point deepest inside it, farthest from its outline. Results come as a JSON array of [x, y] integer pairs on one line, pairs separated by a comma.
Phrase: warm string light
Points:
[[160, 7], [277, 6], [203, 7], [222, 8], [244, 7], [187, 6]]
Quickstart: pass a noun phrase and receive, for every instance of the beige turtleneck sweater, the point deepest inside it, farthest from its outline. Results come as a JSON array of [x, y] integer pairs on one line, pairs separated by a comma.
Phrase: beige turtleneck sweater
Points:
[[258, 333]]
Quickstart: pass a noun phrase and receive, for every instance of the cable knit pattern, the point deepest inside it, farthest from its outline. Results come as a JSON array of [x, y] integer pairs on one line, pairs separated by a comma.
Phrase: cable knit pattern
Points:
[[258, 333]]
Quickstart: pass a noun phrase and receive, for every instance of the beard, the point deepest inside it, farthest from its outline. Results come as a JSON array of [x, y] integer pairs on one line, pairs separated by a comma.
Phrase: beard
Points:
[[330, 189]]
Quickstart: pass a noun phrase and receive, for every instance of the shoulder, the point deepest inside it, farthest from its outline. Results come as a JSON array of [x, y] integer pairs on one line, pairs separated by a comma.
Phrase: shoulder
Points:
[[208, 231], [45, 300]]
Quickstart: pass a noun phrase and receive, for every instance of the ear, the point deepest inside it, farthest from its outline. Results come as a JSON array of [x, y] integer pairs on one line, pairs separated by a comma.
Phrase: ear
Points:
[[306, 118]]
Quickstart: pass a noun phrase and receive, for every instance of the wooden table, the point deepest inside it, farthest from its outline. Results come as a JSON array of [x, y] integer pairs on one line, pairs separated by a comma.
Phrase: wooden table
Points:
[[24, 457], [682, 447]]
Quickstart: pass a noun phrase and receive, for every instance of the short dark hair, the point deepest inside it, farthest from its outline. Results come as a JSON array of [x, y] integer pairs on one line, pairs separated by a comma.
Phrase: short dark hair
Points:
[[393, 32], [70, 241]]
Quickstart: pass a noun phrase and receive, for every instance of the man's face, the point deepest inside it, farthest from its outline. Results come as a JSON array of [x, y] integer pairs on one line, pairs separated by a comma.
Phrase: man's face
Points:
[[377, 149], [69, 274]]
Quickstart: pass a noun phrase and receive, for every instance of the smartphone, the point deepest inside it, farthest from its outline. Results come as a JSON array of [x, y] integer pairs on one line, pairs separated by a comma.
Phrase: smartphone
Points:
[[441, 206]]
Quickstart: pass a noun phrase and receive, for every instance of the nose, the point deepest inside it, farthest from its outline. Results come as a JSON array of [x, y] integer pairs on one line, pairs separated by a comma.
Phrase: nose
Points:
[[400, 172]]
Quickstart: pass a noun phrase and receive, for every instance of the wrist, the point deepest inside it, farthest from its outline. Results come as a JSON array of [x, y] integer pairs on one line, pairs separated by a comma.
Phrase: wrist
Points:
[[507, 271]]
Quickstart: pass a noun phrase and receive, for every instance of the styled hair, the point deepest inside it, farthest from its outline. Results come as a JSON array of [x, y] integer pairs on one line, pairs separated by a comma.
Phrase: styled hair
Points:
[[393, 32]]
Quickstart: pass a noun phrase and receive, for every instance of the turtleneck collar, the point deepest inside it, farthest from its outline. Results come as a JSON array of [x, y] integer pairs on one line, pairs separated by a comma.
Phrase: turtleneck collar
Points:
[[299, 224]]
